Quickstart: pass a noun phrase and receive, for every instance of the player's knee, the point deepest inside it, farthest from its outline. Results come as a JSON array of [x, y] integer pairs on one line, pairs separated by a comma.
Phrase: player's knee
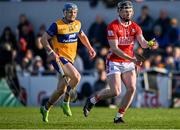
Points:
[[77, 78]]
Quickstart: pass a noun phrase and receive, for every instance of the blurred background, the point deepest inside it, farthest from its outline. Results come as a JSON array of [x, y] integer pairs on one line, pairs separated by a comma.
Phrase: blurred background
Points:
[[27, 78]]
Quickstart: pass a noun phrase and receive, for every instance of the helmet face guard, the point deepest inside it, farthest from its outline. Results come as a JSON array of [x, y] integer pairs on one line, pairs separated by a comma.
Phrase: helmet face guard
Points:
[[124, 5], [68, 10]]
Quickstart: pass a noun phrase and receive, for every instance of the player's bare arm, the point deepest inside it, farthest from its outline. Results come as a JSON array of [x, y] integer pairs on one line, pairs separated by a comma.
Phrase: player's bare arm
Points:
[[147, 44], [46, 45], [114, 48], [82, 36]]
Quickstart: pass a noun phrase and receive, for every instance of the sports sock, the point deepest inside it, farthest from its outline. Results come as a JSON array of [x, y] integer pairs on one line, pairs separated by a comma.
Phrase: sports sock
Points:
[[94, 99], [67, 96], [120, 113]]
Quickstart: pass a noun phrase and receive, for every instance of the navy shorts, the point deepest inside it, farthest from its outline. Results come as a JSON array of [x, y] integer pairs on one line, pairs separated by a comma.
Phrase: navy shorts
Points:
[[62, 59]]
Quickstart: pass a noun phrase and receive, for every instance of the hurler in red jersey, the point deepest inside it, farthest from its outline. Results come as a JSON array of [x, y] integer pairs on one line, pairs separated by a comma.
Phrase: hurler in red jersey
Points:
[[121, 62]]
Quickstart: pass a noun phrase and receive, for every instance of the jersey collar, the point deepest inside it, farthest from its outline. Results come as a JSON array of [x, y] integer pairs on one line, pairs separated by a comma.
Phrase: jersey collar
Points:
[[66, 22]]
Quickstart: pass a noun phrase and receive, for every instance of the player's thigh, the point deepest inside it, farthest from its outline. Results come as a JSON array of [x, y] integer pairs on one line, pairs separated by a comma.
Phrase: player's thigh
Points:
[[114, 81], [129, 79], [71, 71]]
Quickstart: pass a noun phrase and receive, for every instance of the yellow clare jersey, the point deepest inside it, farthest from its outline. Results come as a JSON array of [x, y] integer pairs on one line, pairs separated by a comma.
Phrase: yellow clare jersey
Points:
[[64, 38]]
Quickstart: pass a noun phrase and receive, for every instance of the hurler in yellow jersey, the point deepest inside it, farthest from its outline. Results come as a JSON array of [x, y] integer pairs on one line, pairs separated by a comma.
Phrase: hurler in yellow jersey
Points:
[[63, 35]]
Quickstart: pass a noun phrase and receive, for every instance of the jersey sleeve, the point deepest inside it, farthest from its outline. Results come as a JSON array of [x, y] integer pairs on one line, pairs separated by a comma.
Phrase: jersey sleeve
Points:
[[80, 28], [111, 32], [52, 29]]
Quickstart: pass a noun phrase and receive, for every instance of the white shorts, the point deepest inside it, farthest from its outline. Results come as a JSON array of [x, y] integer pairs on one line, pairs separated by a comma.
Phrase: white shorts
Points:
[[119, 67]]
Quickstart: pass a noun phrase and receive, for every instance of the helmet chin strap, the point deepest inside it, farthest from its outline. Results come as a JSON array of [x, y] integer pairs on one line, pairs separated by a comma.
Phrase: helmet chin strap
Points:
[[123, 19]]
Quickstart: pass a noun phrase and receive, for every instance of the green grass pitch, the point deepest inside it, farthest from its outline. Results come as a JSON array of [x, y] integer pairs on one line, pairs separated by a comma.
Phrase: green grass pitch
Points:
[[99, 118]]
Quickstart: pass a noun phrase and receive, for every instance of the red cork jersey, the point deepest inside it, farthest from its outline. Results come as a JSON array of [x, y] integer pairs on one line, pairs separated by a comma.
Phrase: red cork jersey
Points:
[[126, 35]]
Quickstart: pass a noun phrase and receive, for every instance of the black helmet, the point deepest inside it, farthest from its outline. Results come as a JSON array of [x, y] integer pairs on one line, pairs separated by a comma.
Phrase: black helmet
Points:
[[125, 4], [70, 6]]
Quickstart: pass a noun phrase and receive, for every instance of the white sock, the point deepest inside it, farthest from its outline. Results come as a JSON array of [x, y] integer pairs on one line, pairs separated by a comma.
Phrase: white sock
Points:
[[93, 100], [118, 115]]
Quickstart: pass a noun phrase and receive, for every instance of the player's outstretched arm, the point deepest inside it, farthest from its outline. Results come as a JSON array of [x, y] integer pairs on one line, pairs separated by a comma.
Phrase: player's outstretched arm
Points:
[[152, 44], [86, 43]]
